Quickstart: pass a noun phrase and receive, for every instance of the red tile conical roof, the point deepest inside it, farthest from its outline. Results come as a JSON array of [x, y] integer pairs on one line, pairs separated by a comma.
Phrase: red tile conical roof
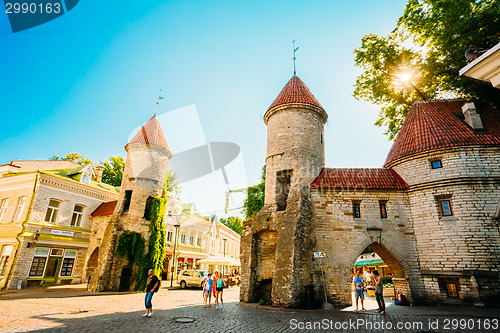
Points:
[[150, 134], [295, 91], [440, 124]]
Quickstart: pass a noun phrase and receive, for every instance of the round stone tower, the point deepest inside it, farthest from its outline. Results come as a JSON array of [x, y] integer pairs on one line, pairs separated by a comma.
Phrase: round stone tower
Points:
[[143, 179], [295, 142], [277, 244], [145, 168], [448, 151]]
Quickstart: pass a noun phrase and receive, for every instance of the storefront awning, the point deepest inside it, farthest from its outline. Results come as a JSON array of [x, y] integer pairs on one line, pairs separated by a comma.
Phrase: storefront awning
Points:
[[373, 262]]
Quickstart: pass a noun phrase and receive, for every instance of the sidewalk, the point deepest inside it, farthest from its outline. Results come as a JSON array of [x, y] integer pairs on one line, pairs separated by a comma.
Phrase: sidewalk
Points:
[[425, 310], [80, 290], [395, 310]]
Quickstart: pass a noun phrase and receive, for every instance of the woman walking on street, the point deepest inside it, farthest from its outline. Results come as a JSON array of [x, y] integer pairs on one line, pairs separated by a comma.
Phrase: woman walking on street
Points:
[[219, 287]]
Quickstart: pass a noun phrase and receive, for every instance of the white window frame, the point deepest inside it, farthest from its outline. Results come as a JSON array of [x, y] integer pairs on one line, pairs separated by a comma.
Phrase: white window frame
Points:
[[57, 209], [198, 241], [183, 238], [21, 203], [3, 208], [191, 240], [171, 234], [85, 178], [79, 216]]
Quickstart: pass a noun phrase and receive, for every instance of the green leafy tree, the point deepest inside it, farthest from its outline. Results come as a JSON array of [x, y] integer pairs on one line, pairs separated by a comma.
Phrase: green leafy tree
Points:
[[113, 170], [73, 157], [234, 223], [172, 183], [255, 197], [421, 58]]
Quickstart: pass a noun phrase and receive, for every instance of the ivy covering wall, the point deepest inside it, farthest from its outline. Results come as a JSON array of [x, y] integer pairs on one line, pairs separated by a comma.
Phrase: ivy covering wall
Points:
[[132, 246]]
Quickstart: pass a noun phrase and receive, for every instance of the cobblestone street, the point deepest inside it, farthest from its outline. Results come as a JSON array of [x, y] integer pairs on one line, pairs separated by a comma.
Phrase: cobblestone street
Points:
[[71, 308]]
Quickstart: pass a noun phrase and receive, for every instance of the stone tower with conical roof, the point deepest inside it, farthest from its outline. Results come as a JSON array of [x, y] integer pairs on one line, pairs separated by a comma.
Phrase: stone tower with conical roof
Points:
[[143, 179], [277, 244], [295, 142]]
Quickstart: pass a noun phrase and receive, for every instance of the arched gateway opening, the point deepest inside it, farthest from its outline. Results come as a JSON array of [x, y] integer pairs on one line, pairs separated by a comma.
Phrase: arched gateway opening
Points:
[[376, 256], [92, 264], [265, 253]]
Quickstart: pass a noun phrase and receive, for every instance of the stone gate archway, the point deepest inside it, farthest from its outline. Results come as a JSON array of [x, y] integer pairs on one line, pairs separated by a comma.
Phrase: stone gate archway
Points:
[[265, 253], [395, 265], [92, 264]]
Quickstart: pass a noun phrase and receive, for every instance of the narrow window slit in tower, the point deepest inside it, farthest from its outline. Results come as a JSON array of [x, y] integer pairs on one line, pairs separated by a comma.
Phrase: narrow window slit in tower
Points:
[[126, 201], [147, 209], [283, 179]]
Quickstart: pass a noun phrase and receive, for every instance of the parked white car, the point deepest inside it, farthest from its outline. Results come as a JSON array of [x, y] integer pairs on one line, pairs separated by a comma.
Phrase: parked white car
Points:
[[191, 278]]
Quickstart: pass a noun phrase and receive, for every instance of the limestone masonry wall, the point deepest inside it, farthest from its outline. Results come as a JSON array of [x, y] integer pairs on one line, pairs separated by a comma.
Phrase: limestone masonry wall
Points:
[[462, 248], [344, 237]]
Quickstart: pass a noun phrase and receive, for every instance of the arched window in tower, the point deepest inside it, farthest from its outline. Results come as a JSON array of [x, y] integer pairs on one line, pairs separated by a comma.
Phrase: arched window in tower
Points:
[[147, 209], [283, 180]]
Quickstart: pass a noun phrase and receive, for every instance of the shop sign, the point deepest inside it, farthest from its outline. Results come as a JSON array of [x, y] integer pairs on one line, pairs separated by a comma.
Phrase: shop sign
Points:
[[70, 253], [42, 251], [62, 232]]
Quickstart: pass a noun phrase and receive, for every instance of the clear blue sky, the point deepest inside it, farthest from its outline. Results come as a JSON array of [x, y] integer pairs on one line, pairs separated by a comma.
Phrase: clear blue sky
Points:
[[84, 81]]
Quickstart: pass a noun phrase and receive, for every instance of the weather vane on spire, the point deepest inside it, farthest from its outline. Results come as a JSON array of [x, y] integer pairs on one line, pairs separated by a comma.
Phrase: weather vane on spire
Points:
[[158, 101], [294, 50]]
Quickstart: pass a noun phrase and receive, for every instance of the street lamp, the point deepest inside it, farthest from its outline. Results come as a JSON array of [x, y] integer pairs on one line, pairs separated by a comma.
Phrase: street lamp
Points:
[[174, 208], [224, 266]]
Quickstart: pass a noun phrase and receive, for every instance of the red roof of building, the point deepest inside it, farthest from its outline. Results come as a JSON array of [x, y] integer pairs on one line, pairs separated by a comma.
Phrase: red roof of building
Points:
[[295, 91], [440, 124], [150, 134], [106, 208], [360, 178]]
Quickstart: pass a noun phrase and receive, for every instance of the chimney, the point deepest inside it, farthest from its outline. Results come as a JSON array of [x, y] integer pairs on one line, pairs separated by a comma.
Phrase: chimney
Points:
[[98, 170], [471, 116]]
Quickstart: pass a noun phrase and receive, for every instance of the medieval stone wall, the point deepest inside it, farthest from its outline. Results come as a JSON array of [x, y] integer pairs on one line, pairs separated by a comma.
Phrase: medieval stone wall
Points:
[[344, 237], [283, 280], [463, 248]]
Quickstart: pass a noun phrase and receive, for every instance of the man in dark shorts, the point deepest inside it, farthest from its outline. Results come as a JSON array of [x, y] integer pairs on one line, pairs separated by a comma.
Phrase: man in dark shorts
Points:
[[379, 291], [152, 286]]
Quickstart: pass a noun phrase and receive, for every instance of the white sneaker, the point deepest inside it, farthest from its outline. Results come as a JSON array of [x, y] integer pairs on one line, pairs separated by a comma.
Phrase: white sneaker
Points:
[[145, 315], [216, 307], [150, 314]]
